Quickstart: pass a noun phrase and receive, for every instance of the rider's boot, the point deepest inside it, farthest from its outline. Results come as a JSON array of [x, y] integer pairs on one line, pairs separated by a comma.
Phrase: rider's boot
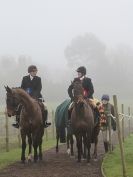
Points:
[[106, 146], [45, 117]]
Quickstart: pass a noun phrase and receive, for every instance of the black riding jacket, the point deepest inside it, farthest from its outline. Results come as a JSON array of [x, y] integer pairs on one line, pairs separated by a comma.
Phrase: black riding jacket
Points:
[[87, 85], [33, 87]]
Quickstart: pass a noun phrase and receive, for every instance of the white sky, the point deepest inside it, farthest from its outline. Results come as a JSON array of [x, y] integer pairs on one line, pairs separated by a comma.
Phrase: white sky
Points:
[[43, 28]]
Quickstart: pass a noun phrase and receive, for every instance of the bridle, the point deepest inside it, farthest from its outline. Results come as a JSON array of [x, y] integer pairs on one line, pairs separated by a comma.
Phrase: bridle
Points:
[[12, 103]]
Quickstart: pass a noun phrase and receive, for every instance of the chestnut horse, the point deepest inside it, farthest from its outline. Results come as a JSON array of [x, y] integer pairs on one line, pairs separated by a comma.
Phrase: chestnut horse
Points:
[[31, 122], [82, 121]]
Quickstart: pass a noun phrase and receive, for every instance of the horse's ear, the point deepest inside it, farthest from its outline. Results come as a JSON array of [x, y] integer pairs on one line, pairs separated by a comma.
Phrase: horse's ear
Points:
[[8, 89]]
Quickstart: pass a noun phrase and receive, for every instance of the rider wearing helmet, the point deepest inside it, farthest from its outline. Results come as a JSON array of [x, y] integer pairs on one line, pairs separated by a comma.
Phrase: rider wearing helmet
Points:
[[86, 83], [32, 85]]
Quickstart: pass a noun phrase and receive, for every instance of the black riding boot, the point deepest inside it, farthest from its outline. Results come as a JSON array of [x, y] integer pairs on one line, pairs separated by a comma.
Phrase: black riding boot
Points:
[[16, 125], [45, 117]]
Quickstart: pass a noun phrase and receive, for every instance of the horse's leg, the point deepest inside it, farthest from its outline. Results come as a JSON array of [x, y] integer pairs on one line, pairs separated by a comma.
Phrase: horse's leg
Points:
[[23, 137], [30, 148], [57, 140], [79, 145], [88, 145], [40, 149], [71, 141], [68, 146], [84, 144], [95, 147], [35, 145], [96, 142]]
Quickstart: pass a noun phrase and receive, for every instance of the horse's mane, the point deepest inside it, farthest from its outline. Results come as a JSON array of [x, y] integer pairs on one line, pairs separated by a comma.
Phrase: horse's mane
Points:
[[78, 89], [21, 92]]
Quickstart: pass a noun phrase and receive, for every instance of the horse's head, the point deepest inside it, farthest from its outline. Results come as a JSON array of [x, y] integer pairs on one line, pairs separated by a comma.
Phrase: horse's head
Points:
[[78, 93], [12, 101], [77, 90]]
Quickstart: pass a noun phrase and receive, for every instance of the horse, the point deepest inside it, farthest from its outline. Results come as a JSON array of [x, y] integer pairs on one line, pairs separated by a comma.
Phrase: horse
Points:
[[31, 122], [97, 124], [63, 127], [82, 121]]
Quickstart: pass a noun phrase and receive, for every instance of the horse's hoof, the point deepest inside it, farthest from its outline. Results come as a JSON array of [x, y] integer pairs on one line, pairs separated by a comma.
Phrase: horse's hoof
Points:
[[83, 159], [88, 161], [29, 160], [79, 161], [72, 154], [40, 158], [23, 161], [95, 159], [68, 151]]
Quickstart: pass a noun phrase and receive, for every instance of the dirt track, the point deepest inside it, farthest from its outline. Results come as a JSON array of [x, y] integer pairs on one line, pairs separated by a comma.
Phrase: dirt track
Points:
[[56, 165]]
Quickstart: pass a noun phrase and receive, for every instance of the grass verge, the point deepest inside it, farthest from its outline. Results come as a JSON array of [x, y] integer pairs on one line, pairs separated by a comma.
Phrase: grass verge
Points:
[[112, 165]]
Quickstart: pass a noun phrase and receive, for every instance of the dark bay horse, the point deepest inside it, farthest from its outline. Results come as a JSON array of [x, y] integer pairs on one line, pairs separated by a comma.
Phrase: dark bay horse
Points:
[[31, 122], [82, 120]]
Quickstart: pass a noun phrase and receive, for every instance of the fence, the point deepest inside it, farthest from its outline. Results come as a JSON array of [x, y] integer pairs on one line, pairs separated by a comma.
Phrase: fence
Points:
[[124, 128], [10, 136]]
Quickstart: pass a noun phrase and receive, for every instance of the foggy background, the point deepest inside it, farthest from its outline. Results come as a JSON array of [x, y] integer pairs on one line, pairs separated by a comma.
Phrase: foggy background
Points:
[[58, 36]]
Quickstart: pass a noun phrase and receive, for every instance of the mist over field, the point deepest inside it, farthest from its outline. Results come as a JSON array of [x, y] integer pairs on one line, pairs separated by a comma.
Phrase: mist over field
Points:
[[59, 36]]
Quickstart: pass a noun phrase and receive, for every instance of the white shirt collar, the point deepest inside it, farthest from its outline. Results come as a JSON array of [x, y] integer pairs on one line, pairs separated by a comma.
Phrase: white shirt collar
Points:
[[31, 77], [82, 78]]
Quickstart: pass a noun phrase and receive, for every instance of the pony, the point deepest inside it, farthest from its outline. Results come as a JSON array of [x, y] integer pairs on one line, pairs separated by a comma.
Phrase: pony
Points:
[[95, 103], [31, 122], [82, 121], [63, 127]]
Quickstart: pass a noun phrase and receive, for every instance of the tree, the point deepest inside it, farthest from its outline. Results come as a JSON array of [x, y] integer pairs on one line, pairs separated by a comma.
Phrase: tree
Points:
[[86, 49]]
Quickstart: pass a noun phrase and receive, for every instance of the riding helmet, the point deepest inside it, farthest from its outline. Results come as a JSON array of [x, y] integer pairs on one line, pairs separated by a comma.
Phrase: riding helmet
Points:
[[32, 68], [105, 97], [82, 70]]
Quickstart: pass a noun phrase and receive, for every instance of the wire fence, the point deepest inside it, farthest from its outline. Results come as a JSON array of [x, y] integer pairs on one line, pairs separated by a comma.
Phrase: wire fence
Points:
[[124, 124], [10, 136]]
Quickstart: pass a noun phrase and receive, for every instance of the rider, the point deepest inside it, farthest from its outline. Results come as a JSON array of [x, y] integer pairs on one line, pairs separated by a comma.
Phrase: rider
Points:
[[32, 85], [86, 83], [88, 88]]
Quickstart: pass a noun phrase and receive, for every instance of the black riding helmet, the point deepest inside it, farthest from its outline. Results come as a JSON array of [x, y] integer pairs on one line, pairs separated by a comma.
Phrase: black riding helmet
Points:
[[82, 70], [32, 68]]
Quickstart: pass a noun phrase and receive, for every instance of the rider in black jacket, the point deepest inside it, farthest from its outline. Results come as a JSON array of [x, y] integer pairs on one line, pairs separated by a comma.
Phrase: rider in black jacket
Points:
[[86, 83], [32, 85], [88, 91]]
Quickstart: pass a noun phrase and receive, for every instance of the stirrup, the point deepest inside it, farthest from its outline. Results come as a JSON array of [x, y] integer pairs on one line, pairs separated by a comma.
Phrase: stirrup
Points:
[[15, 125], [47, 124]]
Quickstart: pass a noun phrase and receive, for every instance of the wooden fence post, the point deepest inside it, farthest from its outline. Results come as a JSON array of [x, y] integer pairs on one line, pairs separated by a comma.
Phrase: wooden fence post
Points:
[[119, 136], [7, 132], [122, 110], [53, 124], [129, 119], [110, 138]]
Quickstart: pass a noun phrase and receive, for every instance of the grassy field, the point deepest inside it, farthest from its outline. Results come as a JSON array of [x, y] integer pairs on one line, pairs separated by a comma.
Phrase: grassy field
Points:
[[112, 162], [7, 158]]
